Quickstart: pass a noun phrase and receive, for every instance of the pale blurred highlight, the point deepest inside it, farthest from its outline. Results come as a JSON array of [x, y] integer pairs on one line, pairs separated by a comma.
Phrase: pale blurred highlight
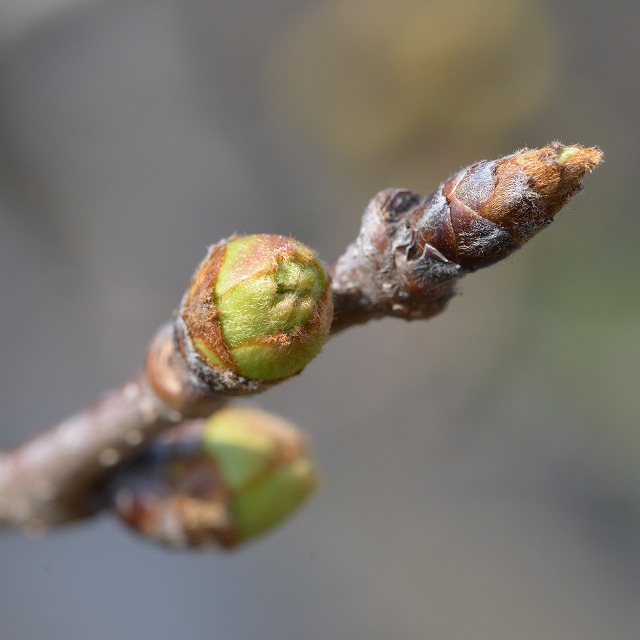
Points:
[[376, 83]]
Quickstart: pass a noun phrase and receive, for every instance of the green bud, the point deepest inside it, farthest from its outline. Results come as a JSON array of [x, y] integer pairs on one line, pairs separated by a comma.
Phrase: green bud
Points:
[[258, 306], [216, 482], [263, 466]]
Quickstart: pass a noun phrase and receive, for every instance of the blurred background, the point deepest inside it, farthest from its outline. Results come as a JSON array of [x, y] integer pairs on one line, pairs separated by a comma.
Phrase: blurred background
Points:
[[481, 471]]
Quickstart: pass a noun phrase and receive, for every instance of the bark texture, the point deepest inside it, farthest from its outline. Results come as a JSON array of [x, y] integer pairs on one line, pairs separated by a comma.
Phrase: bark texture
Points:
[[408, 256]]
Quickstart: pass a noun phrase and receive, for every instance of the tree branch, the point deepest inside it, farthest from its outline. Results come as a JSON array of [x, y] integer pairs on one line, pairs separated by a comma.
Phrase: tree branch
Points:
[[409, 254]]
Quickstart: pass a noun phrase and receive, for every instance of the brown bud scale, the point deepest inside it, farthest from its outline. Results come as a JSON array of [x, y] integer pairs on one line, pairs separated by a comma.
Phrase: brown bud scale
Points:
[[411, 250]]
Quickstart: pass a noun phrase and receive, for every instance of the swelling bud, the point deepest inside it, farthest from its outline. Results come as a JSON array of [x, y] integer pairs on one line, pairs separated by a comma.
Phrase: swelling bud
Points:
[[266, 471], [258, 309], [219, 482]]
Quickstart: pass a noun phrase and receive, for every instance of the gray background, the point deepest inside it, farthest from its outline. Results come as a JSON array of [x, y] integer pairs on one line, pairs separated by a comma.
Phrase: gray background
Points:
[[480, 471]]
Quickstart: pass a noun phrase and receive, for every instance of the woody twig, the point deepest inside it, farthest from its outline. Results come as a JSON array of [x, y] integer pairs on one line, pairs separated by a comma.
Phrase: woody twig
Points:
[[406, 261]]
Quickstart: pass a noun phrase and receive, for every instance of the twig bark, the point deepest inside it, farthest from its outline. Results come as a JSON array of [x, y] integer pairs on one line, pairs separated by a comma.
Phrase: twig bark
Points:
[[52, 479], [405, 262]]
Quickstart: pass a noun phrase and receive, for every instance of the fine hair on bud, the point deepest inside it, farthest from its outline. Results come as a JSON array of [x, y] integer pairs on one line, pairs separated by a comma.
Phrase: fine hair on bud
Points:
[[484, 212], [412, 249], [257, 311]]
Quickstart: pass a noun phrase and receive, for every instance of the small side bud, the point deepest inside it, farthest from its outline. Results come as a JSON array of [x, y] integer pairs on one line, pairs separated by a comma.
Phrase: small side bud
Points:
[[264, 466], [259, 309], [219, 482]]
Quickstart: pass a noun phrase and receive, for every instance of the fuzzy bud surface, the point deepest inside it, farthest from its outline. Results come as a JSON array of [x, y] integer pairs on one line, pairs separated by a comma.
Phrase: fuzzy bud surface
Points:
[[259, 307]]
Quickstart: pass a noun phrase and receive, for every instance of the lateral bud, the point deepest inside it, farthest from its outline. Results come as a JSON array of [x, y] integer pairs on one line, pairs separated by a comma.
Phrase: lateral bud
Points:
[[216, 482], [257, 311]]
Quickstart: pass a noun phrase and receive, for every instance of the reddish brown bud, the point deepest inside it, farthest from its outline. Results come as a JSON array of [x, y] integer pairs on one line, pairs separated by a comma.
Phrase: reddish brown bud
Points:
[[491, 208], [411, 250]]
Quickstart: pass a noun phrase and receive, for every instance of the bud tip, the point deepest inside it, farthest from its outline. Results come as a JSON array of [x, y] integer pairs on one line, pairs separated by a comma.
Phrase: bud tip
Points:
[[578, 160]]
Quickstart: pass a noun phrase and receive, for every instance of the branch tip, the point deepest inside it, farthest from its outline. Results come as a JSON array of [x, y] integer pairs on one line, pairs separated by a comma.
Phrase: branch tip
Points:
[[406, 261]]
